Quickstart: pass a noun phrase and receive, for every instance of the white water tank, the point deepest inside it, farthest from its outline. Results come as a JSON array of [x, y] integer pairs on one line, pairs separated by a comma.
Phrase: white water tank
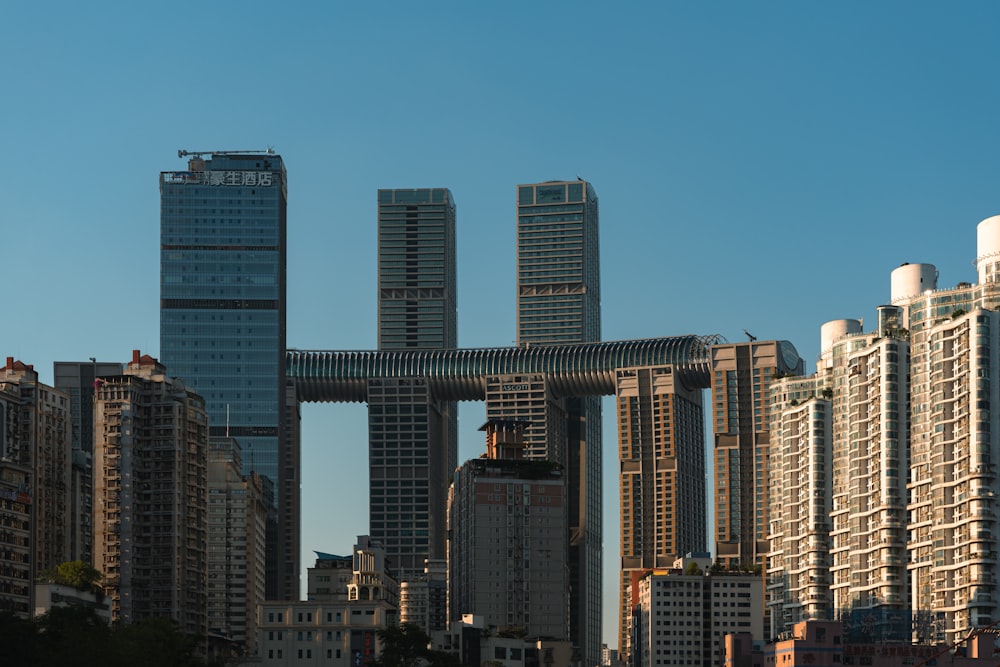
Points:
[[830, 332], [910, 280], [988, 250]]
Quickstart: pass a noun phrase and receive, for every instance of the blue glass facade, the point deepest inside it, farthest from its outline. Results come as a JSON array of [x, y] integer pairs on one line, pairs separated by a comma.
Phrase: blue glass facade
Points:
[[222, 302]]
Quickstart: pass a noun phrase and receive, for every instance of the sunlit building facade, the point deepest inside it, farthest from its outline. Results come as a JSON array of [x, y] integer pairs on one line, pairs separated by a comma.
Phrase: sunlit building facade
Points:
[[150, 496], [77, 380], [684, 613], [661, 446], [741, 379], [798, 562]]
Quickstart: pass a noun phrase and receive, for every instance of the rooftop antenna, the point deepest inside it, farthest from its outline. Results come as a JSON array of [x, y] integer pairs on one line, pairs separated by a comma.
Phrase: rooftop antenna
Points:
[[750, 335], [183, 153]]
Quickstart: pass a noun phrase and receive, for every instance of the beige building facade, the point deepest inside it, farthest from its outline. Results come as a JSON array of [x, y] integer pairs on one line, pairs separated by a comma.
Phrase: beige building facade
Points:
[[39, 436], [661, 446], [150, 496], [237, 521], [507, 554]]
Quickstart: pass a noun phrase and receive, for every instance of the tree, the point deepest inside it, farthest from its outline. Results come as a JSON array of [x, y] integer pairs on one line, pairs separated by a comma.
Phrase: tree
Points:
[[73, 573], [73, 636], [155, 642], [404, 645], [18, 640], [443, 659]]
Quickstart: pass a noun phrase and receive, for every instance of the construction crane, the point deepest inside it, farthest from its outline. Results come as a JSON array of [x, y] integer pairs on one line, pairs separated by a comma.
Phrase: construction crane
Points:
[[183, 153]]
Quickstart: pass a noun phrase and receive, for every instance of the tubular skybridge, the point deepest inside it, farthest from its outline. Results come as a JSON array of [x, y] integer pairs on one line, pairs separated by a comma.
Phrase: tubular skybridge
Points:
[[585, 369]]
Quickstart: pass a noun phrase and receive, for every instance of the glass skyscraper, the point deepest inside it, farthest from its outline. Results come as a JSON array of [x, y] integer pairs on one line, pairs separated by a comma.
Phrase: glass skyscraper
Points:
[[559, 302], [412, 434], [222, 319]]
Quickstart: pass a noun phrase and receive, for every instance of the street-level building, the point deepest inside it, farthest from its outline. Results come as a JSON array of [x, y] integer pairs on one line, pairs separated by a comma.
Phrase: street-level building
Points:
[[50, 595], [423, 599], [337, 629]]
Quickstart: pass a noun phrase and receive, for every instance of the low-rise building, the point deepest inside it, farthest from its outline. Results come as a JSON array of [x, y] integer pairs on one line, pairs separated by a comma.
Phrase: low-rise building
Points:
[[685, 613], [826, 644], [423, 599], [49, 595]]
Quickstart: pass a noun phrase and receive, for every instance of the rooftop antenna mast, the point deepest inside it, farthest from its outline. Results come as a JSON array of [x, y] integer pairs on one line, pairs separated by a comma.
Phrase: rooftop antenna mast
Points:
[[183, 153]]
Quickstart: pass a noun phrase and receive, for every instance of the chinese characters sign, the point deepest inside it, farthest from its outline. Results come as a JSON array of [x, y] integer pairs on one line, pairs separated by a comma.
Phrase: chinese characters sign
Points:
[[261, 179]]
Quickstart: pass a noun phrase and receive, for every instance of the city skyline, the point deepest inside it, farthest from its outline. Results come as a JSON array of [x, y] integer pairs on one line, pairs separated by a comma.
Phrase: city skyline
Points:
[[759, 169]]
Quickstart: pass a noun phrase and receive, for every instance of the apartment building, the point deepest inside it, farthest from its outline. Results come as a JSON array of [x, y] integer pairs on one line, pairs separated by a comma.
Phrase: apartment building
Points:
[[508, 539], [685, 612], [237, 523], [798, 563], [336, 628], [150, 495], [661, 446], [39, 436], [423, 599]]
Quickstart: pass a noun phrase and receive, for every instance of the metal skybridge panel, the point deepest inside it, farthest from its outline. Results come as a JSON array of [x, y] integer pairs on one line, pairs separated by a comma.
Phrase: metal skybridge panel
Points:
[[586, 369]]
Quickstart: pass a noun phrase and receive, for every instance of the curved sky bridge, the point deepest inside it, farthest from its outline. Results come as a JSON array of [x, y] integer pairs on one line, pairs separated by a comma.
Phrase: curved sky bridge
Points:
[[585, 369]]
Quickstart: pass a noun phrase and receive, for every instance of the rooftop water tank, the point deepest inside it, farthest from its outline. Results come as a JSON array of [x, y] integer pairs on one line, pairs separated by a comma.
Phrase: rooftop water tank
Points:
[[910, 280], [988, 250]]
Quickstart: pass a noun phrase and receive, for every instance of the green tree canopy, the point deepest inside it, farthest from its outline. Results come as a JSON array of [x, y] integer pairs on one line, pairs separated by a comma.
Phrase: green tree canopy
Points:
[[404, 645], [73, 573]]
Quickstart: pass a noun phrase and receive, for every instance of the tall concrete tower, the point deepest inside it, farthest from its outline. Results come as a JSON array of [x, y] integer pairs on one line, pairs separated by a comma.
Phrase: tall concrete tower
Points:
[[413, 436], [559, 302]]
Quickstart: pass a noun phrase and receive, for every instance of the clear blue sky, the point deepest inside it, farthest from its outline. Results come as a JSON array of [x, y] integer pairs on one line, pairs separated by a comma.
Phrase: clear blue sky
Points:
[[760, 166]]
